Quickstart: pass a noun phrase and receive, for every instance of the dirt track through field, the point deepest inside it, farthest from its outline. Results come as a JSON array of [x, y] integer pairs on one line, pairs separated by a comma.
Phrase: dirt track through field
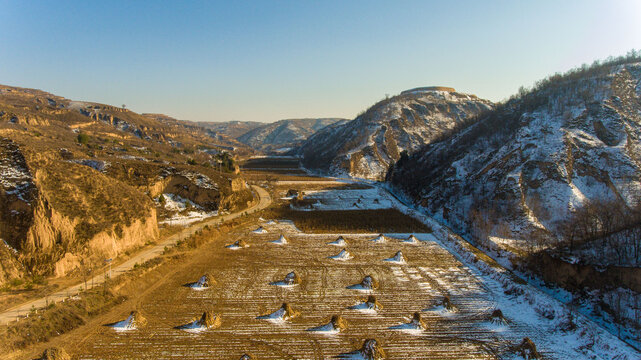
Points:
[[243, 292], [25, 308]]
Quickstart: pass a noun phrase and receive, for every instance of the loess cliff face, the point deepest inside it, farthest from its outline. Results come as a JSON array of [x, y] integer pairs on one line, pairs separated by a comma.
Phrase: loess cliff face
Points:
[[529, 164], [68, 215], [366, 146], [78, 180]]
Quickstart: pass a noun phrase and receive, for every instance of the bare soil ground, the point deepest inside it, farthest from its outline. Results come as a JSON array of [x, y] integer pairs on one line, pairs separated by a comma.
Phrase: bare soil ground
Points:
[[243, 292]]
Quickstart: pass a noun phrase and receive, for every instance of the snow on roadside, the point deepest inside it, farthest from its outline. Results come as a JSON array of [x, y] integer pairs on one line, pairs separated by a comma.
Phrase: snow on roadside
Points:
[[181, 217], [530, 306]]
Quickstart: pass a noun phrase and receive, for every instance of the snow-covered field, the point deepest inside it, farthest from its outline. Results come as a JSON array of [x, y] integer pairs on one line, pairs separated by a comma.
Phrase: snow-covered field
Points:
[[437, 267], [353, 199]]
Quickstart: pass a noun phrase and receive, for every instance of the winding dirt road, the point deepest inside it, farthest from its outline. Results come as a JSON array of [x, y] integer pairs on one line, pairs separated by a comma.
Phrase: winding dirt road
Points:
[[25, 308]]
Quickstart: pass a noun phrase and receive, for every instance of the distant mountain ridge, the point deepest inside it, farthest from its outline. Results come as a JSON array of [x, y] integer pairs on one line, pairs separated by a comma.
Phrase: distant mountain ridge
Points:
[[366, 146], [277, 137], [283, 135]]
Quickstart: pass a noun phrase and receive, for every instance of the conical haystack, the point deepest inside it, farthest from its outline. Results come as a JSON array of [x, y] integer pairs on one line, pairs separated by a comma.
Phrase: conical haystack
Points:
[[372, 303], [288, 312], [379, 239], [342, 255], [372, 350], [369, 282], [209, 320], [205, 281], [246, 357], [137, 320], [238, 244], [292, 278], [497, 318], [282, 240], [368, 305], [338, 323], [55, 353], [527, 349], [397, 258], [411, 240], [260, 230], [335, 325], [284, 313], [338, 242], [417, 321], [447, 303]]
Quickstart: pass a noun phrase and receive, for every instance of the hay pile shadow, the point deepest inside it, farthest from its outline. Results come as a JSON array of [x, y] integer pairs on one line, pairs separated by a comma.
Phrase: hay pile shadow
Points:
[[134, 321], [284, 313], [237, 245], [204, 282], [368, 283], [208, 320], [398, 258], [371, 304], [371, 350], [415, 324], [335, 325], [290, 279], [343, 255]]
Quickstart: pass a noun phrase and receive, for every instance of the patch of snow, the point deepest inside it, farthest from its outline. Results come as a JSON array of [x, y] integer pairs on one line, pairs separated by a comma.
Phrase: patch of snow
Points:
[[260, 230], [343, 255], [281, 240]]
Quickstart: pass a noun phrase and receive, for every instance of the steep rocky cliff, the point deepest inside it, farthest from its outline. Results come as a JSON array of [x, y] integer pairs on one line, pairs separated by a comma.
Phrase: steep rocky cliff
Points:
[[526, 166], [368, 145], [55, 214], [79, 182]]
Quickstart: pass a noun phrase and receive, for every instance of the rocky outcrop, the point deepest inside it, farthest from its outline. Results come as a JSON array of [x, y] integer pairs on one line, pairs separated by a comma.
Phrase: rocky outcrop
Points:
[[57, 216], [368, 145], [525, 167], [237, 184], [55, 246]]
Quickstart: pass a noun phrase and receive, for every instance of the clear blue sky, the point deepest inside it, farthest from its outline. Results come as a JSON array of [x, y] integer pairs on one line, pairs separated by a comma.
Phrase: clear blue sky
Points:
[[270, 60]]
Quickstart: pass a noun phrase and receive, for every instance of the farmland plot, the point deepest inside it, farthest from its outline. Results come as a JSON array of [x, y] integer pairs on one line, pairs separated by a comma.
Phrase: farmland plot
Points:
[[454, 300]]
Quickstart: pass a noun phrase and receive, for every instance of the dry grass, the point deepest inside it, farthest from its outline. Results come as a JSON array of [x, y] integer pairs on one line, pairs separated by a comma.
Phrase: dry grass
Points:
[[57, 319]]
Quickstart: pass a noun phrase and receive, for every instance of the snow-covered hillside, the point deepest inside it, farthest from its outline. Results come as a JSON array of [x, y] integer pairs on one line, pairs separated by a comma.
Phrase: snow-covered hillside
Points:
[[282, 135], [368, 145], [530, 163]]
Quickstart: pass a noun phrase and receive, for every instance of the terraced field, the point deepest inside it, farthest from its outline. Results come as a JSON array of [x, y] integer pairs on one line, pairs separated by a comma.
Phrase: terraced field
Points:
[[432, 272], [243, 292]]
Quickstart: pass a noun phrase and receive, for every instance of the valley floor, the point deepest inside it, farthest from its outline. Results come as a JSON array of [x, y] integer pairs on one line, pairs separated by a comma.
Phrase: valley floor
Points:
[[437, 266], [25, 309]]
